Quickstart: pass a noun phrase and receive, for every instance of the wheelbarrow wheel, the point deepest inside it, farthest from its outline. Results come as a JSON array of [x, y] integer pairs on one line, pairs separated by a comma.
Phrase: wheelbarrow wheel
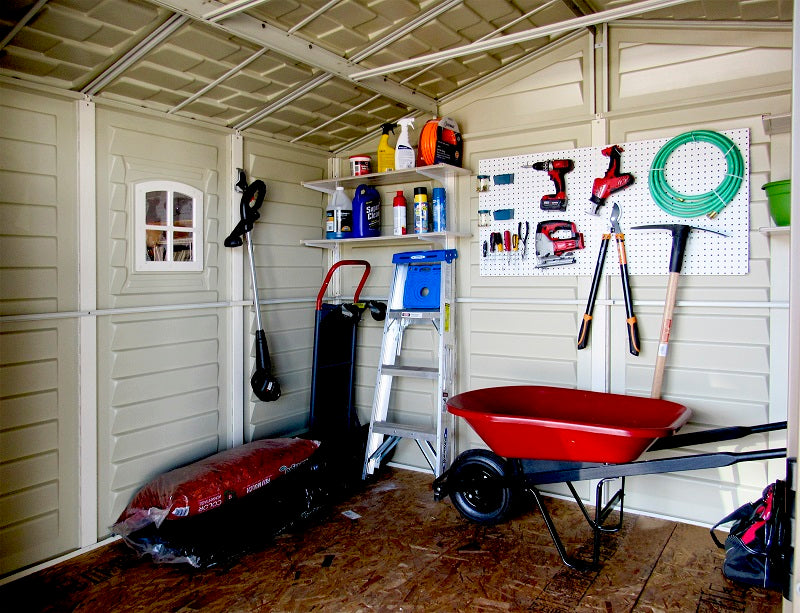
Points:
[[480, 491]]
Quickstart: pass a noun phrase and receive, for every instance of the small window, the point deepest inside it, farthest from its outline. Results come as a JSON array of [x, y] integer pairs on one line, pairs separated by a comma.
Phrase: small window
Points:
[[169, 226]]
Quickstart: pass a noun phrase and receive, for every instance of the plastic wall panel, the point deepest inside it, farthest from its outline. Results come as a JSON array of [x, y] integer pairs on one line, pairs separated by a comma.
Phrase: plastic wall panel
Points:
[[720, 360], [162, 375], [286, 270], [38, 374]]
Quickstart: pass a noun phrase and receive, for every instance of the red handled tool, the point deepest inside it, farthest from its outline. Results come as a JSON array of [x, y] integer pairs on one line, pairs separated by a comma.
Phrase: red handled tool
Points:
[[630, 319], [613, 181]]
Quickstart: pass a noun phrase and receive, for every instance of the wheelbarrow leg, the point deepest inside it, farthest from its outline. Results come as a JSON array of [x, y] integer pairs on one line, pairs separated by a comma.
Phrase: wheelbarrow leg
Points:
[[601, 513]]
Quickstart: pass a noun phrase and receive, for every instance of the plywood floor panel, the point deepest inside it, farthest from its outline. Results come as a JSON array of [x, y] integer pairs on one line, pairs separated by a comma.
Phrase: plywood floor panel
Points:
[[409, 553]]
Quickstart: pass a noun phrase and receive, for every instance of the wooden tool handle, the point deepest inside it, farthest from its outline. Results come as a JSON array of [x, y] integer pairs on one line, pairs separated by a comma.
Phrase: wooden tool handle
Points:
[[663, 341]]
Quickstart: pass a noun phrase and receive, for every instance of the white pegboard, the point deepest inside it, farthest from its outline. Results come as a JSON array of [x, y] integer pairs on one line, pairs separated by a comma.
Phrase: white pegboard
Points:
[[694, 168]]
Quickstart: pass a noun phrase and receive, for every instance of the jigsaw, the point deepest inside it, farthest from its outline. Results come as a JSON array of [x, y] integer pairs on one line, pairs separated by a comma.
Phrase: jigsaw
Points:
[[555, 240]]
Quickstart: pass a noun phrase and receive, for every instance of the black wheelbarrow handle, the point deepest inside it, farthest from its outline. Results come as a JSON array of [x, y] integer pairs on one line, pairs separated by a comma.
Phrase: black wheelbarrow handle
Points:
[[713, 436]]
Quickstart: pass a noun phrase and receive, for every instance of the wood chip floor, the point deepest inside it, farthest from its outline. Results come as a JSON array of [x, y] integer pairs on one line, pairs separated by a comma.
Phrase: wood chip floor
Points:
[[409, 553]]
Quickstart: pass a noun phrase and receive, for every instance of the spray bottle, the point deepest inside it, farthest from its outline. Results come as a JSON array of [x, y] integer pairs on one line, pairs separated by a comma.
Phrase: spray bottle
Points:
[[404, 152], [385, 150]]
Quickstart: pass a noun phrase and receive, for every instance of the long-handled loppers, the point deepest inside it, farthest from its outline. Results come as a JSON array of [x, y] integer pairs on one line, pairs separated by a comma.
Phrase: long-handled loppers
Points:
[[630, 318]]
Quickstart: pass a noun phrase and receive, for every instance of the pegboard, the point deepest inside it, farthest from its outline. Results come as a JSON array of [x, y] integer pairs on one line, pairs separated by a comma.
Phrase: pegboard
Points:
[[693, 168]]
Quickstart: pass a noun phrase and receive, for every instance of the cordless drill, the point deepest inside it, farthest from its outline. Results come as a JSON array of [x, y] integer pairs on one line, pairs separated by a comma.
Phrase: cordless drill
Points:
[[613, 181], [556, 169]]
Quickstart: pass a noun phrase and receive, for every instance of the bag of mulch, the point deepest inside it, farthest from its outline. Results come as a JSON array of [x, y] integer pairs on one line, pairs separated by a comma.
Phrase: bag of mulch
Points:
[[757, 547]]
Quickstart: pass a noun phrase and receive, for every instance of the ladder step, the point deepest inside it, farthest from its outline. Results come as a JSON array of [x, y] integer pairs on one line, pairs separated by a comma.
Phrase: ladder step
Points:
[[419, 372], [404, 431], [413, 314]]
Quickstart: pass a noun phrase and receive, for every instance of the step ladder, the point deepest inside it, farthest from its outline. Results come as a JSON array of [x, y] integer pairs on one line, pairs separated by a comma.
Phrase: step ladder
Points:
[[422, 294]]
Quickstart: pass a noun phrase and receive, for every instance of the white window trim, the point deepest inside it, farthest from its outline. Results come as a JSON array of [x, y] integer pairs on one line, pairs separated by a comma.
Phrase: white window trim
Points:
[[141, 264]]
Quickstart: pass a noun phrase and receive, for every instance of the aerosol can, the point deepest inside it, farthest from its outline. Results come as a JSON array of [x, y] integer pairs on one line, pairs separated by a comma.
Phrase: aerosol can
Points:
[[404, 152]]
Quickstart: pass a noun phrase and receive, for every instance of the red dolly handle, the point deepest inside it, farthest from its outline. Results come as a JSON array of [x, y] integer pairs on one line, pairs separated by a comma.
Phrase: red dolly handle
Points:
[[333, 268]]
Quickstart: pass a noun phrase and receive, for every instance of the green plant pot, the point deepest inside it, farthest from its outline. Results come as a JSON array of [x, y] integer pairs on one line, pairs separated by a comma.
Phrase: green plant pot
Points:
[[780, 201]]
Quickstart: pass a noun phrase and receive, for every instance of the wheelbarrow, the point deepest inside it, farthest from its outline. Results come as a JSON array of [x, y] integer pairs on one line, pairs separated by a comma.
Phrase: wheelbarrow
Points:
[[540, 434]]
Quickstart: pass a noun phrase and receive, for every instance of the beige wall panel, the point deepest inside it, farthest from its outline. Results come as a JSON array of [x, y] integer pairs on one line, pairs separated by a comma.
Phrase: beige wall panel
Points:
[[38, 370], [132, 149], [285, 269], [38, 204], [160, 396], [659, 67], [162, 376], [38, 441]]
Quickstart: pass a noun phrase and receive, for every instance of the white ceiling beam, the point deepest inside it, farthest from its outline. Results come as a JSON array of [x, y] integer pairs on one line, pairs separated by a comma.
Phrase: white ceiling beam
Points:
[[265, 35], [304, 22], [512, 39], [223, 12]]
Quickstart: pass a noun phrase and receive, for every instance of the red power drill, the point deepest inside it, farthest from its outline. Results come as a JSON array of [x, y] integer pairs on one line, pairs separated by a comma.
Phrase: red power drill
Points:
[[556, 169], [613, 181]]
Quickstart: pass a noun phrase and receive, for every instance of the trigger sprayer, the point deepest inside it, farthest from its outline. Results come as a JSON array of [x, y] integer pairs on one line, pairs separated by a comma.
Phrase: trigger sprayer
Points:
[[404, 153], [385, 150]]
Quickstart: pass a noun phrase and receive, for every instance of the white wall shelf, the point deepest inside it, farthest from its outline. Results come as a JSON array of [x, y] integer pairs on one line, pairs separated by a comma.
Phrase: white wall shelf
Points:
[[430, 237], [775, 230], [437, 172]]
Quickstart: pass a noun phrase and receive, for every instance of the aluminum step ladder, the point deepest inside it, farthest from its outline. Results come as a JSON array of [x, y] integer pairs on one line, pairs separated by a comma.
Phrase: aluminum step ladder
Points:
[[422, 294]]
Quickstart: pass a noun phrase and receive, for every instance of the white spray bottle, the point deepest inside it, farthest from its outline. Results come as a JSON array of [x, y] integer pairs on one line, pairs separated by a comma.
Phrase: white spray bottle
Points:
[[403, 152]]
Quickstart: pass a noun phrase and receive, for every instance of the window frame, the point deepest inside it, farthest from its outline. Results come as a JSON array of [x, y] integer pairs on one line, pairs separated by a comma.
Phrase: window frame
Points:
[[141, 263]]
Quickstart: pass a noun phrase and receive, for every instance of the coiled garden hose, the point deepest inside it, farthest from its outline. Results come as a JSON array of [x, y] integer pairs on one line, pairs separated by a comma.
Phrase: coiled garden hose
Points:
[[694, 205]]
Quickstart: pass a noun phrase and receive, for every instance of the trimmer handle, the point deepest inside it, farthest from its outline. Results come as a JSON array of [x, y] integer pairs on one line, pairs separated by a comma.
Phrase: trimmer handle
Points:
[[252, 199]]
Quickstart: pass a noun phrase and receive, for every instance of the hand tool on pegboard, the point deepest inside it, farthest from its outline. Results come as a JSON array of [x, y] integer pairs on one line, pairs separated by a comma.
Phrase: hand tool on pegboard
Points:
[[611, 182], [553, 248], [630, 318], [680, 236], [556, 170]]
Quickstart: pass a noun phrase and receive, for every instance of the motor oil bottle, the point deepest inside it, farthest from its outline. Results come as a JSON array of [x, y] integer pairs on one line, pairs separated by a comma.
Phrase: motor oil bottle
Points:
[[339, 216], [366, 212], [404, 156], [385, 150], [399, 213], [420, 210]]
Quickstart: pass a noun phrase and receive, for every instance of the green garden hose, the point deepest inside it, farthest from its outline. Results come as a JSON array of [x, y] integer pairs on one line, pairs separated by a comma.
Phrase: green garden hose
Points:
[[694, 205]]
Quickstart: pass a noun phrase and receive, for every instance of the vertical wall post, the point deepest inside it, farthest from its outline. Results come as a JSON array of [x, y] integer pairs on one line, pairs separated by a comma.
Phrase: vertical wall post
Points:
[[236, 393], [87, 324]]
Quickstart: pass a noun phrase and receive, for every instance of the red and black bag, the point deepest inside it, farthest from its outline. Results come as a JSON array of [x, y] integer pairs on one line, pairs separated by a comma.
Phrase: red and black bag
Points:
[[757, 547]]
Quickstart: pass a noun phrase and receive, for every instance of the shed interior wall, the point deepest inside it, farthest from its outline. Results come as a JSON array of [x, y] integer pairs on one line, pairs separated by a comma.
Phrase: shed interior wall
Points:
[[165, 392]]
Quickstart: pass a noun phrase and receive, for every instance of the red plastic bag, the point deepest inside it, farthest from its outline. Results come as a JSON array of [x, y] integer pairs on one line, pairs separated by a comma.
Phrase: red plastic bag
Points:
[[209, 483]]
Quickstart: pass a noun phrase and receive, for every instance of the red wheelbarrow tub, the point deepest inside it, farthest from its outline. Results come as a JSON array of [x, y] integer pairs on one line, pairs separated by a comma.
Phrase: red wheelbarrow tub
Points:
[[552, 423]]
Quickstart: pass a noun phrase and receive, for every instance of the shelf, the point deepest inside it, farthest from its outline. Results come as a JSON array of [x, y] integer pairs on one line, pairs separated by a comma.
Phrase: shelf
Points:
[[437, 172], [775, 230], [428, 237]]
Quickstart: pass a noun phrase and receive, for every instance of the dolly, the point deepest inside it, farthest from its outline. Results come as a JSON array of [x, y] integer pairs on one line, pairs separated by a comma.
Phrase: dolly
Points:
[[630, 318]]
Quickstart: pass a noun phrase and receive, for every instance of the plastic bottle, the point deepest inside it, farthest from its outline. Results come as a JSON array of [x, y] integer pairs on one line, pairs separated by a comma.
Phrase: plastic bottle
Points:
[[366, 212], [339, 217], [399, 213], [385, 150], [420, 210], [404, 153], [439, 202]]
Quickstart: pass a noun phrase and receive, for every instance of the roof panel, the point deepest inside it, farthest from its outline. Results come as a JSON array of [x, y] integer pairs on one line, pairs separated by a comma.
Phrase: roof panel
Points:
[[69, 43]]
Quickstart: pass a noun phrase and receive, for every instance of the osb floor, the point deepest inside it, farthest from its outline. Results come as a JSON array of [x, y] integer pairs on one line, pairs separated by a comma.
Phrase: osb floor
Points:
[[409, 553]]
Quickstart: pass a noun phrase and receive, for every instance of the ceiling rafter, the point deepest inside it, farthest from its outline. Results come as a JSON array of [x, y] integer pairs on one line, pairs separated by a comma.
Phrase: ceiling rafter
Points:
[[265, 35], [22, 22], [511, 39], [412, 25]]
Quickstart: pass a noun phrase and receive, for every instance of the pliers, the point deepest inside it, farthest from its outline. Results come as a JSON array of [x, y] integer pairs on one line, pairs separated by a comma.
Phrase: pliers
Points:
[[523, 238], [630, 318]]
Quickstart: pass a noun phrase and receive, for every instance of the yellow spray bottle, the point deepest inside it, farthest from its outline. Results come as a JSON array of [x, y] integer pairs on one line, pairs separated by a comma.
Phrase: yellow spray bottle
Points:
[[385, 150]]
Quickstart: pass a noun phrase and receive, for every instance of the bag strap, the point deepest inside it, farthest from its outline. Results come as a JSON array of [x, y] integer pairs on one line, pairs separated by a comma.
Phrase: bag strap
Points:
[[743, 512]]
